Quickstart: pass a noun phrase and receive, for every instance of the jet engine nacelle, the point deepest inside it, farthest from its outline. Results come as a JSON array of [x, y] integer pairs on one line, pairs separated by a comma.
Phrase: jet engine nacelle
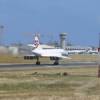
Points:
[[29, 57], [54, 58]]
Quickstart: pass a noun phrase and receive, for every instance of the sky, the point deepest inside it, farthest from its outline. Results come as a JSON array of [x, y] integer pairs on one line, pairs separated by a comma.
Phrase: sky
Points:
[[21, 19]]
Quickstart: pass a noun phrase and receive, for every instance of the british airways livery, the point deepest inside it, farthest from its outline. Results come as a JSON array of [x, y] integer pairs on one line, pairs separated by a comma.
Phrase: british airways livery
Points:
[[53, 53]]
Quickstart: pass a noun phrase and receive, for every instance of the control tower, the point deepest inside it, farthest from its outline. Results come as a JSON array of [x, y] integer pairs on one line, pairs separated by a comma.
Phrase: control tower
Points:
[[63, 40]]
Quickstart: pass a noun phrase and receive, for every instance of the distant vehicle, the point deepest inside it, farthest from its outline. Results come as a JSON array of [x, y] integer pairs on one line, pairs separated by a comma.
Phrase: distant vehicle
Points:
[[53, 53]]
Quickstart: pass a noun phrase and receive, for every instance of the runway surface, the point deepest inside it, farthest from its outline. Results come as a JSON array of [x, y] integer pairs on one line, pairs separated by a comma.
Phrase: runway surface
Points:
[[10, 66]]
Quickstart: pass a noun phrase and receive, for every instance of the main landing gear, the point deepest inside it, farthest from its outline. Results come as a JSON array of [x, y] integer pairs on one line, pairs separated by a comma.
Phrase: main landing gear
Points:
[[37, 62], [56, 62]]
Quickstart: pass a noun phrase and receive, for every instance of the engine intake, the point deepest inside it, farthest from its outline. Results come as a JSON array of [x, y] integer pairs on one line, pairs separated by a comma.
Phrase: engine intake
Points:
[[54, 58], [29, 57]]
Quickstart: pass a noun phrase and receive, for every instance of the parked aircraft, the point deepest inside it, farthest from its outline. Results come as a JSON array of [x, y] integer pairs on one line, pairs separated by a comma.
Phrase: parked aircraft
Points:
[[38, 51], [71, 52], [93, 51]]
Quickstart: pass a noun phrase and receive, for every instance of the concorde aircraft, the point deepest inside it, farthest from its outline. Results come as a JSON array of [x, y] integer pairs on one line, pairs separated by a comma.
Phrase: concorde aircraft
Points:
[[38, 51]]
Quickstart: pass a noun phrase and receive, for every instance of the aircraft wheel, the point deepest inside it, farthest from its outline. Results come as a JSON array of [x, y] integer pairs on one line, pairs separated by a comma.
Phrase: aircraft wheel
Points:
[[56, 63], [38, 63]]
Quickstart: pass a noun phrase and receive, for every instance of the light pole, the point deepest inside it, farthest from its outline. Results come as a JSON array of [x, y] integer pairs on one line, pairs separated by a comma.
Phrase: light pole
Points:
[[1, 33], [99, 58]]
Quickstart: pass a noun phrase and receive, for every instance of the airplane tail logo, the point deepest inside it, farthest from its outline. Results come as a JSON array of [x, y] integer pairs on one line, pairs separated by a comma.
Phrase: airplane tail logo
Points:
[[36, 41]]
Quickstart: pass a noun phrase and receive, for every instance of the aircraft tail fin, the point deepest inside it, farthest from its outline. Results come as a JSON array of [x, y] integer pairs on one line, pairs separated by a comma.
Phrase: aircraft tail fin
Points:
[[36, 40]]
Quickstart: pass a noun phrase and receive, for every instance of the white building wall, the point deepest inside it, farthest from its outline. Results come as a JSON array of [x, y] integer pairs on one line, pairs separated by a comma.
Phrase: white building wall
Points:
[[3, 50], [13, 50]]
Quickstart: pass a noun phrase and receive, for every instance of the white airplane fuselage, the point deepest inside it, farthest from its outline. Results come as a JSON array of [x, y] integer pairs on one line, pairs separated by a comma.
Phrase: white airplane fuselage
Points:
[[60, 53], [52, 53]]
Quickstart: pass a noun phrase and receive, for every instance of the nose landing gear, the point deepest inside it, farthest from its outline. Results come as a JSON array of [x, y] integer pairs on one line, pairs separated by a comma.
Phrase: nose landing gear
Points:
[[37, 62]]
